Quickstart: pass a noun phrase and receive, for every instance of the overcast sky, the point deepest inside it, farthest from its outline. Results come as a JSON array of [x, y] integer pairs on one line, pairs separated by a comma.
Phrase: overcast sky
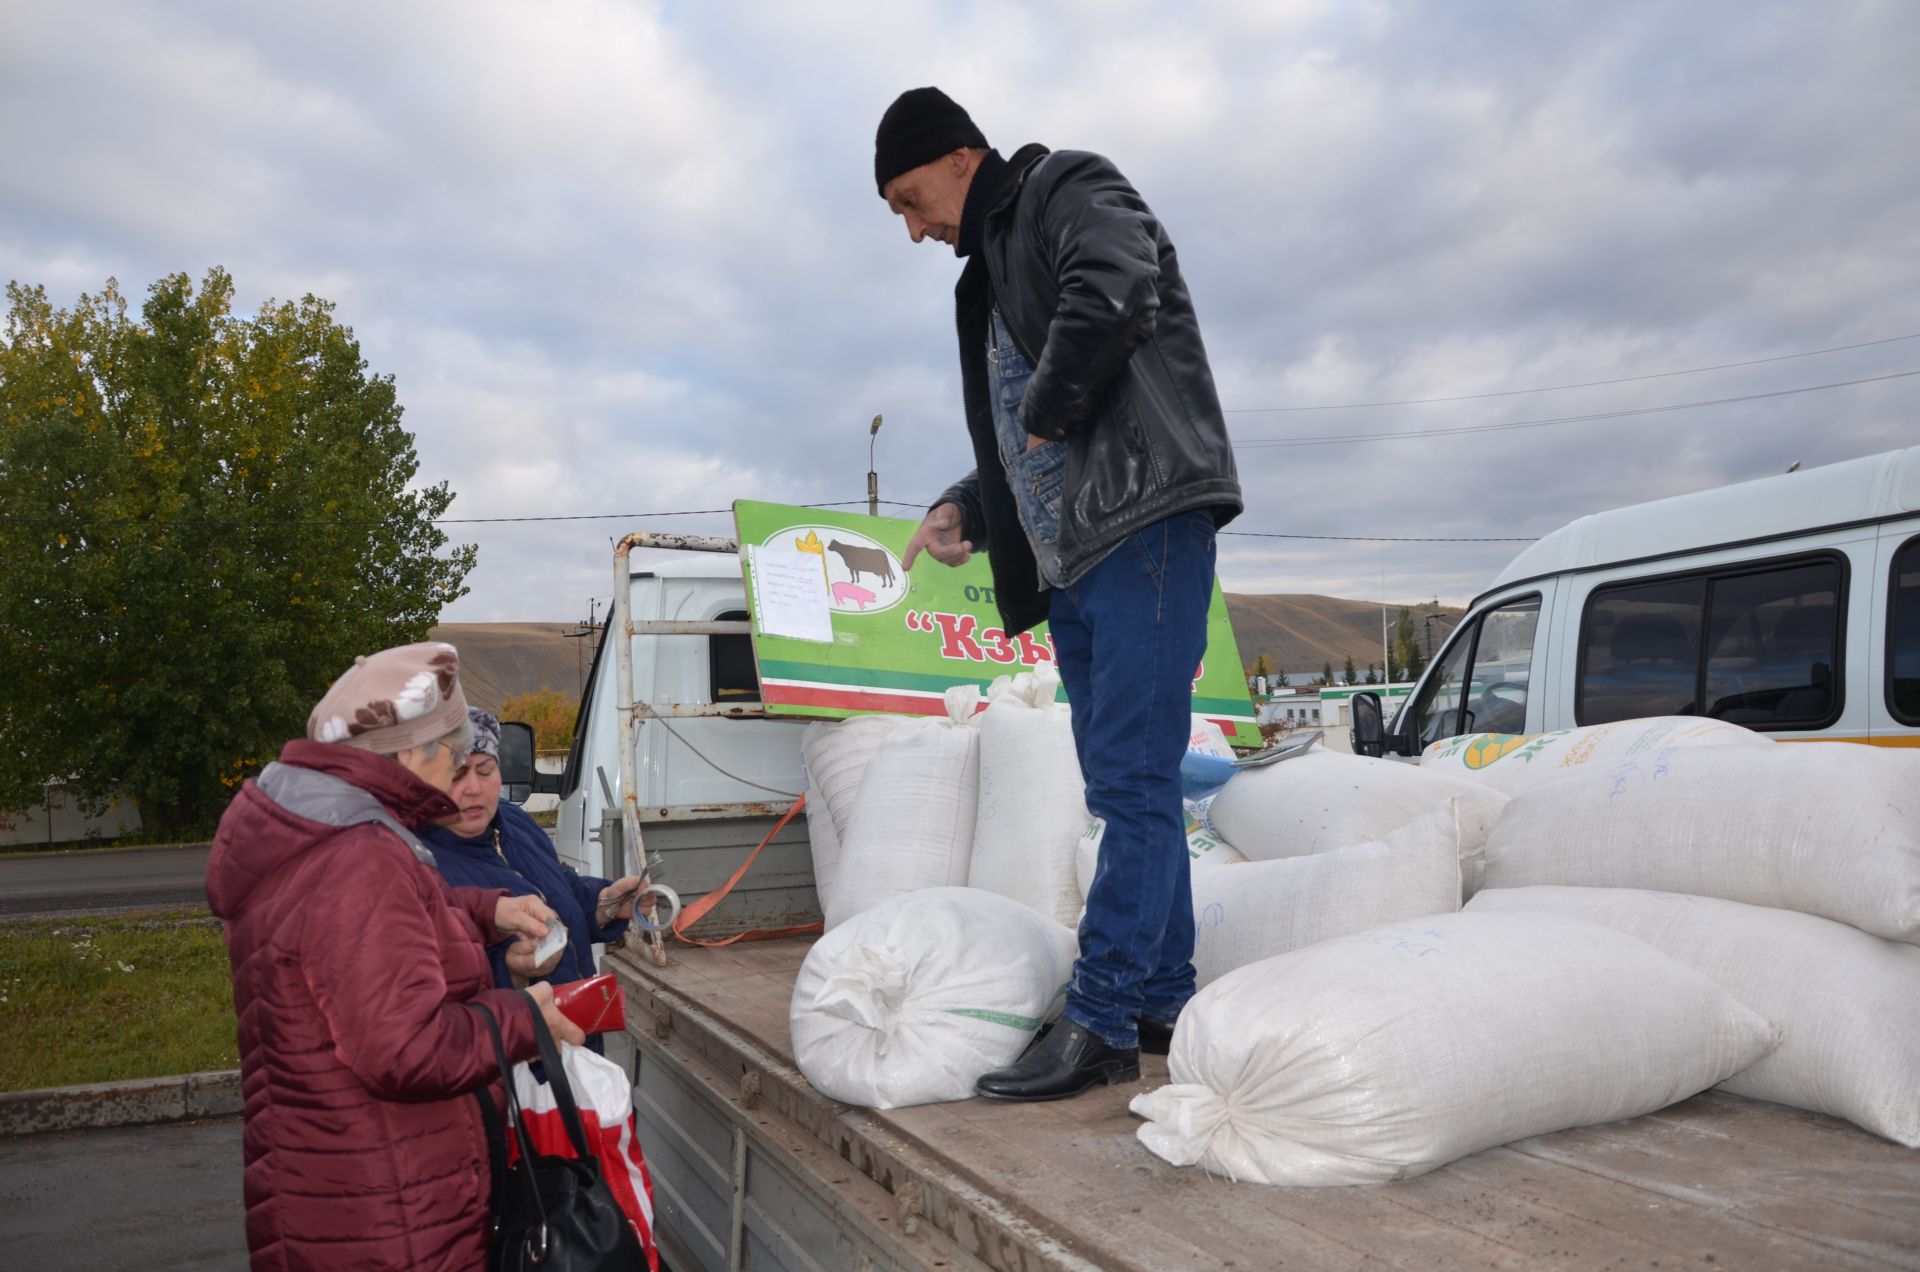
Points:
[[628, 257]]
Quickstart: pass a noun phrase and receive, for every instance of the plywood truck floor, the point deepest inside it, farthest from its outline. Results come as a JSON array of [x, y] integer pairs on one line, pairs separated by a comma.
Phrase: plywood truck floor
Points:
[[1715, 1182]]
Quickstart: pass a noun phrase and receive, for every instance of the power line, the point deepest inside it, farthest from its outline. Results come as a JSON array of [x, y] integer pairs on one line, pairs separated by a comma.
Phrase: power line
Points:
[[1339, 439], [1556, 388], [1382, 538]]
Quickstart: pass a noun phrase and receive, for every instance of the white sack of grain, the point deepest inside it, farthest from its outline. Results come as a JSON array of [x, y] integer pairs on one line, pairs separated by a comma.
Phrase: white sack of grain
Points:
[[910, 1001], [911, 825], [1847, 1004], [1389, 1053], [1827, 828], [1512, 763], [1325, 799], [1031, 808], [1204, 851], [834, 755], [1264, 908]]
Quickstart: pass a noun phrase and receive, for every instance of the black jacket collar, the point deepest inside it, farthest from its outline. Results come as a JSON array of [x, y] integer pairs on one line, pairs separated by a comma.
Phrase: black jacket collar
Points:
[[994, 183], [988, 180]]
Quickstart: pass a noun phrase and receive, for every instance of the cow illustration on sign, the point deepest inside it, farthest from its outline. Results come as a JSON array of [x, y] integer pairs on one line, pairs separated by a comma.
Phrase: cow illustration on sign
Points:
[[863, 576], [875, 561]]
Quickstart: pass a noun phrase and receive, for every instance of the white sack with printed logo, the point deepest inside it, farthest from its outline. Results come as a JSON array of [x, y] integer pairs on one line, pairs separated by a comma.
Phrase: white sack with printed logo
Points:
[[1389, 1053], [1207, 738], [1263, 908], [1325, 799], [1827, 828], [1847, 1004], [1205, 846], [1204, 851], [1032, 806], [912, 1000], [911, 825], [1511, 763], [833, 761]]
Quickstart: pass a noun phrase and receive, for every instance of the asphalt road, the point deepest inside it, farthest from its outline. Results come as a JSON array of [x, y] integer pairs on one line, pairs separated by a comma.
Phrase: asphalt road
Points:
[[132, 1197], [102, 881]]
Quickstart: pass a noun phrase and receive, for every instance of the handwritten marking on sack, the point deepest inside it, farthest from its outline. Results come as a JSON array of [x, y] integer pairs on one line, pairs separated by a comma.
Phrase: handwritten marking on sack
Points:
[[1652, 769], [1418, 944], [1214, 915]]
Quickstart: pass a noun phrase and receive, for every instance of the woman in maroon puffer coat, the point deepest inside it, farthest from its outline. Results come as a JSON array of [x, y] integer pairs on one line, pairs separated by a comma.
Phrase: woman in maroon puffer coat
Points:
[[356, 972]]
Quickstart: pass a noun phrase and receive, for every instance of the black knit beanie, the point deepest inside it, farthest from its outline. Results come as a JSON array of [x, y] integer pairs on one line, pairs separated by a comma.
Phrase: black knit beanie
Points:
[[920, 126]]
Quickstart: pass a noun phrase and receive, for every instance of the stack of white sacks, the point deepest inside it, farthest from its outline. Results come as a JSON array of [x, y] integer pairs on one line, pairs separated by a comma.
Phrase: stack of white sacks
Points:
[[1652, 908], [943, 854], [1662, 906]]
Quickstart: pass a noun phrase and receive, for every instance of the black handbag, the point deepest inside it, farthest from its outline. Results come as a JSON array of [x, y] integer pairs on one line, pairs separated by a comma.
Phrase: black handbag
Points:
[[550, 1214]]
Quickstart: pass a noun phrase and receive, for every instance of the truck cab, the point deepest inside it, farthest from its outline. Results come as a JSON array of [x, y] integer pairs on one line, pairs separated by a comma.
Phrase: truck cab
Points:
[[723, 776]]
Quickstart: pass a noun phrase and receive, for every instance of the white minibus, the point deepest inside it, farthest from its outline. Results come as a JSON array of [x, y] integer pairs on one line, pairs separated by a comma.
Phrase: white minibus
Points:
[[1790, 605]]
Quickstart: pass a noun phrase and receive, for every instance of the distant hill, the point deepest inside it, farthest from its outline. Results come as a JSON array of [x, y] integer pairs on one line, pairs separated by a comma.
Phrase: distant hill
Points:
[[1298, 633], [499, 659]]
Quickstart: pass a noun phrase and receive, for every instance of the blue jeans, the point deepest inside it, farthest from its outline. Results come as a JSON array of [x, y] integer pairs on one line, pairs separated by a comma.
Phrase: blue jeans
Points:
[[1129, 636]]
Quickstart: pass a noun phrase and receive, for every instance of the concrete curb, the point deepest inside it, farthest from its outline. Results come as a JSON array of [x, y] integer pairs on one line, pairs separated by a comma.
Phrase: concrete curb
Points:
[[181, 1098]]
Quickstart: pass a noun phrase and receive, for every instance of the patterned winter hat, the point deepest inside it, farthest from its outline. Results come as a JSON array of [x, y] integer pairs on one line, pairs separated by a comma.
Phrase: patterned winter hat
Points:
[[486, 732], [393, 700]]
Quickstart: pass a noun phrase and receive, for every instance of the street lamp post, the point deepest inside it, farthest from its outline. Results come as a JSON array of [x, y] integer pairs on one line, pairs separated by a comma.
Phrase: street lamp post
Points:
[[873, 478]]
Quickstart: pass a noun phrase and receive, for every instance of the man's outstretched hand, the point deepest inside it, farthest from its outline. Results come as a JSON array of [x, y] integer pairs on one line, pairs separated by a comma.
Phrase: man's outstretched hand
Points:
[[939, 534]]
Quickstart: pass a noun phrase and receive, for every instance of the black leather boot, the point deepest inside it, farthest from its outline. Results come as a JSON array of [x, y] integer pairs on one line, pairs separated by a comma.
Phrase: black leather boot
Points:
[[1156, 1036], [1064, 1063]]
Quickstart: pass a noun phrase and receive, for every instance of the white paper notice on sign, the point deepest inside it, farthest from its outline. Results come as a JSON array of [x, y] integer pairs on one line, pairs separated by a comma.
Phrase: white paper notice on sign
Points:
[[790, 593]]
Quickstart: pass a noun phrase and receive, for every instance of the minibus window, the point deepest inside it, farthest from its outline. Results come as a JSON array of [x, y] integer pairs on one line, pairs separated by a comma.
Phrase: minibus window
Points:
[[1499, 647], [1640, 652], [1759, 647], [1903, 632], [731, 670], [1773, 641]]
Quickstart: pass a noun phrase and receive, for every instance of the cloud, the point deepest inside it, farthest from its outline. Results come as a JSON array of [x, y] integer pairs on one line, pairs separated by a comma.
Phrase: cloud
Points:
[[624, 258]]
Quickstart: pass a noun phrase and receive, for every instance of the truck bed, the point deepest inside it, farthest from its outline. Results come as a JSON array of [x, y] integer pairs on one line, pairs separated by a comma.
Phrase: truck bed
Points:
[[753, 1168]]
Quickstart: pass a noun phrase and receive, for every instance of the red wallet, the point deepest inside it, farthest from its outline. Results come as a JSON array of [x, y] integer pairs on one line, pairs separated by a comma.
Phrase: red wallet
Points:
[[596, 1004]]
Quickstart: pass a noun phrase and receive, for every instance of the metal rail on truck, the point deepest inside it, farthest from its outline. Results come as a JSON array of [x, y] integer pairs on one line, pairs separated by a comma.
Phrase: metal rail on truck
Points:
[[632, 713]]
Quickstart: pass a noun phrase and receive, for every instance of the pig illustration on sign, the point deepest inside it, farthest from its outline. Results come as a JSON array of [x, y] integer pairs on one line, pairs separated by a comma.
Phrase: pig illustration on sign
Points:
[[874, 561], [844, 592]]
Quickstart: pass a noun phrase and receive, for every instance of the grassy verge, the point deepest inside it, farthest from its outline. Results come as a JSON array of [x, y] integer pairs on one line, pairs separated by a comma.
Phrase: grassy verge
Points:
[[93, 845], [105, 1000]]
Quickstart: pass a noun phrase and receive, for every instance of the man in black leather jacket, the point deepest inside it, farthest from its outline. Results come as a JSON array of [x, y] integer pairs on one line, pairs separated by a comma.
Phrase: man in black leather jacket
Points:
[[1103, 470]]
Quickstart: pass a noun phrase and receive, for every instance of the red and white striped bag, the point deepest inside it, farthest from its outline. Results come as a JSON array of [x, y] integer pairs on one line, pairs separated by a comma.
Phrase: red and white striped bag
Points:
[[605, 1097]]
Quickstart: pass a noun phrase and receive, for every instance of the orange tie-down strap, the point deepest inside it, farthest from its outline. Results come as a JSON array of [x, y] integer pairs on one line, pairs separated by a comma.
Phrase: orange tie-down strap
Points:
[[701, 908]]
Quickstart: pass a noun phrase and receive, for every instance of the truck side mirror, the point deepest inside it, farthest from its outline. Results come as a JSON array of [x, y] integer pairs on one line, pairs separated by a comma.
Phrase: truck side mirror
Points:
[[516, 761], [1368, 735]]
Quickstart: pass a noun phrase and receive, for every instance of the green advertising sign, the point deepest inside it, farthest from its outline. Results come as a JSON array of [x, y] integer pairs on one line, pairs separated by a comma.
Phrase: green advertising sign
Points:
[[840, 629]]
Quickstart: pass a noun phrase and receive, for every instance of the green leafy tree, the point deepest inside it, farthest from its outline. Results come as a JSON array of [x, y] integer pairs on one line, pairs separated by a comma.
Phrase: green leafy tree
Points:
[[1373, 674], [203, 519], [1326, 674], [1262, 666], [1406, 646], [1349, 675]]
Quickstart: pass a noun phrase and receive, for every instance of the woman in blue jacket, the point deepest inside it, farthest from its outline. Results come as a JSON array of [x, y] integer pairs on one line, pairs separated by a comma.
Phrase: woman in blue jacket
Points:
[[496, 845]]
